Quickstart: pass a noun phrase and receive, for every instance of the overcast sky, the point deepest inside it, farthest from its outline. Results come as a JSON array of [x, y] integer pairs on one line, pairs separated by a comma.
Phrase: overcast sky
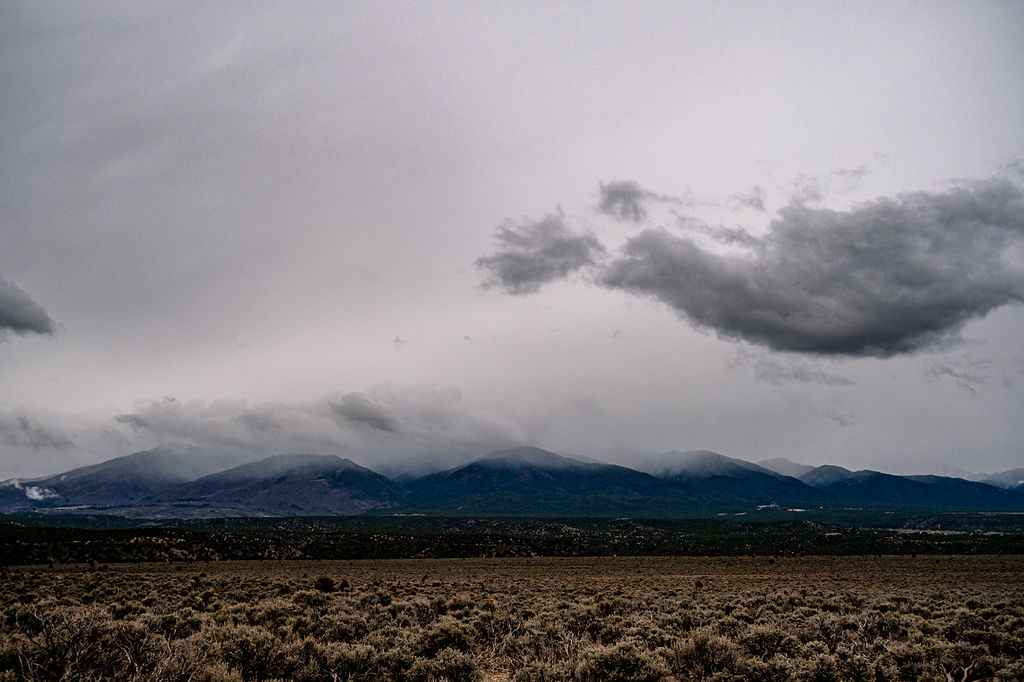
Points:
[[414, 232]]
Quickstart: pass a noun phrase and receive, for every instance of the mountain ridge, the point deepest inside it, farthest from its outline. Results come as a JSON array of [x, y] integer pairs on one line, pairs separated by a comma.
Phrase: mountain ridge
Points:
[[523, 481]]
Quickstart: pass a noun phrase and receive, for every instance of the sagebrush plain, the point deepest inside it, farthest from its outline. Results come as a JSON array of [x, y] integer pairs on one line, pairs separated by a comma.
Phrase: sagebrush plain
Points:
[[700, 618]]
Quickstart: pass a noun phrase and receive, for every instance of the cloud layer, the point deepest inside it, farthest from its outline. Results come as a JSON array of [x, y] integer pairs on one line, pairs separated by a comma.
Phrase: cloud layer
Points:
[[20, 314], [410, 428], [21, 431], [357, 409], [887, 277]]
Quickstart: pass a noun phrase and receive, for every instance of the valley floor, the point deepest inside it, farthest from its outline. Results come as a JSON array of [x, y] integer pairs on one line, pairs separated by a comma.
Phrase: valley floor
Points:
[[673, 618]]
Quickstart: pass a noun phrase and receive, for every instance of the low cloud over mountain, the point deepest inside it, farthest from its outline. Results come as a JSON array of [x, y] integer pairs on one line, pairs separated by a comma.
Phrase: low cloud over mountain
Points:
[[413, 428]]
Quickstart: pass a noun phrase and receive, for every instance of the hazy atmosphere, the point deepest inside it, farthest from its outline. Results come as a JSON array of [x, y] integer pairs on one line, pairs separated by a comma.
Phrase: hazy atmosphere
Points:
[[410, 234]]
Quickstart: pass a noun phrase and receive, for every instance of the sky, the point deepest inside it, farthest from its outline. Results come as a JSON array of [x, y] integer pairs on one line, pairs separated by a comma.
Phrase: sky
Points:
[[411, 233]]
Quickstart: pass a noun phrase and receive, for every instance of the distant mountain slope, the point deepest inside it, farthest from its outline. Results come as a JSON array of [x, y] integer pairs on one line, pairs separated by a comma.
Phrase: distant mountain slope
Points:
[[826, 475], [292, 485], [876, 489], [535, 482], [701, 463], [119, 481], [715, 479], [786, 467], [176, 482]]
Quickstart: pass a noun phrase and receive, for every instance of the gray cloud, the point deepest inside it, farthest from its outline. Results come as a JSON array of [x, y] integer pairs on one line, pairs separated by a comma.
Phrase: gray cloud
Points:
[[806, 189], [20, 314], [811, 189], [732, 236], [887, 277], [778, 372], [628, 200], [134, 421], [836, 415], [855, 174], [754, 198], [1014, 167], [532, 254], [966, 373], [356, 409], [20, 431]]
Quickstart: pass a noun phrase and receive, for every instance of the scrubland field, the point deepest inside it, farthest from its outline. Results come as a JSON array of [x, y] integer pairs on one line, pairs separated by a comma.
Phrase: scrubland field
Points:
[[728, 618]]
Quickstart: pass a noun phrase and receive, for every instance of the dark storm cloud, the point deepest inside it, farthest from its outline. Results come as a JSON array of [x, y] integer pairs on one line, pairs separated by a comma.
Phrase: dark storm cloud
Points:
[[356, 409], [968, 374], [24, 432], [20, 314], [532, 254], [753, 198], [628, 200], [887, 277]]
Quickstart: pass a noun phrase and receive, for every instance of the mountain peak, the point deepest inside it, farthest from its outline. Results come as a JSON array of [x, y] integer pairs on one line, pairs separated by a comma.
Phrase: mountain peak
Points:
[[528, 457], [701, 463], [827, 474], [786, 467], [279, 465], [293, 484]]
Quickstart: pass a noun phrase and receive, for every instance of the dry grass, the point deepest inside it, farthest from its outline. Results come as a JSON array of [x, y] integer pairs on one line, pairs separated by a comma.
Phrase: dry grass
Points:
[[859, 618]]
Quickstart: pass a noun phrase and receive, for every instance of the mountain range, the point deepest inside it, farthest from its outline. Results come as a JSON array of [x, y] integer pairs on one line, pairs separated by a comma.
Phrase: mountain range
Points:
[[525, 481]]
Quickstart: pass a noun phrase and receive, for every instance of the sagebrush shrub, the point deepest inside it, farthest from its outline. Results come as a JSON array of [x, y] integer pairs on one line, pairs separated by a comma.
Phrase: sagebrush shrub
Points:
[[624, 662], [250, 649], [447, 633], [448, 665], [701, 655], [870, 620]]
